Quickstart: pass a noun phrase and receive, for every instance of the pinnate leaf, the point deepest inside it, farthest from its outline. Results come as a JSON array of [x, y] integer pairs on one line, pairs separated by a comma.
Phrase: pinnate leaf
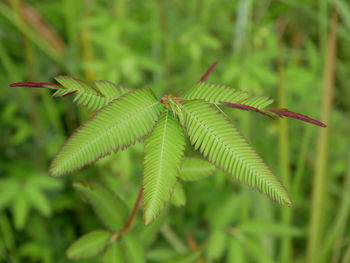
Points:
[[115, 127], [89, 245], [217, 93], [109, 208], [221, 143], [163, 156], [94, 95]]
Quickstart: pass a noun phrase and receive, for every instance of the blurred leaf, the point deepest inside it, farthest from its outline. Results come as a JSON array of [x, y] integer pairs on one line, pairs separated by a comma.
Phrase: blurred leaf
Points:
[[194, 169], [149, 233], [89, 245], [9, 189], [227, 209], [107, 206], [160, 254], [20, 209], [113, 254], [179, 197], [216, 245], [258, 228], [235, 252], [185, 258], [38, 200], [44, 182], [6, 232], [132, 248]]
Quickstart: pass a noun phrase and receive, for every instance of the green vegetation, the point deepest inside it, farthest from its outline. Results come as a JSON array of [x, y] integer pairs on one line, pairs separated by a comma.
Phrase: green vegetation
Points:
[[279, 49]]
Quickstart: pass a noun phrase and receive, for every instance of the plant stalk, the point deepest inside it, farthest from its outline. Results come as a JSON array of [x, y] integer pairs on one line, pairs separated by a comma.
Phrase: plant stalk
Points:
[[321, 171]]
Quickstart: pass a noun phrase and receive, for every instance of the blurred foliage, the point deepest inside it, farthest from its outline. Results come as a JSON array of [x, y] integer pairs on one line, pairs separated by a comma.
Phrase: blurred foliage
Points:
[[278, 48]]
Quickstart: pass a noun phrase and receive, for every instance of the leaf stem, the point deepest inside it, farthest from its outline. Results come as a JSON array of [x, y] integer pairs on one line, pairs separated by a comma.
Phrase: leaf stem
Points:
[[131, 217], [133, 213]]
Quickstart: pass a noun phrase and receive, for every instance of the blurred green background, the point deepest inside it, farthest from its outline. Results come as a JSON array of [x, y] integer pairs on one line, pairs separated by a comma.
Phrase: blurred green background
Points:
[[295, 51]]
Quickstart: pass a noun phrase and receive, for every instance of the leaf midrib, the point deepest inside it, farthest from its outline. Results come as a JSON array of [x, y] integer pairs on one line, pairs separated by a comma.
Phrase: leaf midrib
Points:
[[105, 131], [153, 197], [218, 139]]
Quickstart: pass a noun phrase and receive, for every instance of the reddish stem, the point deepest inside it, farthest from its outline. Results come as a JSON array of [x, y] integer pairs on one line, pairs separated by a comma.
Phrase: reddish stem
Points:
[[208, 72], [133, 213], [34, 84]]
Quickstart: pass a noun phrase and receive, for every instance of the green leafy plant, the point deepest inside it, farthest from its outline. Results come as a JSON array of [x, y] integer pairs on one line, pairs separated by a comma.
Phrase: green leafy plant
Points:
[[124, 116]]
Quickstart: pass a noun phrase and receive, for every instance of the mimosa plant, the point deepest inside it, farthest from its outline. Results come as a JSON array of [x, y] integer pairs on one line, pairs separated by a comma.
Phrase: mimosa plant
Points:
[[124, 116]]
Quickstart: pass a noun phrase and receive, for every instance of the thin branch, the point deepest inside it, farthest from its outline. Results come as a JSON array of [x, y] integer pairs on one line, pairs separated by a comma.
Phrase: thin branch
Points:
[[133, 213], [35, 84], [245, 107], [208, 72]]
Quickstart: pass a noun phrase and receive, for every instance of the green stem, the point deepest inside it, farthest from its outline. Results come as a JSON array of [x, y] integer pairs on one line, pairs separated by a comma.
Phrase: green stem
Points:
[[286, 251], [319, 199]]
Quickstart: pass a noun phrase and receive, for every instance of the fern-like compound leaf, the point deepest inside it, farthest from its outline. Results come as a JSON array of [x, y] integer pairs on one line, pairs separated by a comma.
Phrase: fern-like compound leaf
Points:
[[115, 127], [94, 96], [164, 151], [222, 144], [216, 93]]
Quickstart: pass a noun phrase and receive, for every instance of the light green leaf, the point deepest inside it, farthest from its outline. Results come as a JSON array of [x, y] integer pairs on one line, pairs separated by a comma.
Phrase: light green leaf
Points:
[[110, 209], [113, 254], [20, 209], [132, 249], [89, 245], [179, 197], [260, 227], [235, 252], [189, 257], [9, 189], [113, 128], [38, 200], [218, 140], [216, 93], [194, 169], [93, 95], [216, 245], [163, 155]]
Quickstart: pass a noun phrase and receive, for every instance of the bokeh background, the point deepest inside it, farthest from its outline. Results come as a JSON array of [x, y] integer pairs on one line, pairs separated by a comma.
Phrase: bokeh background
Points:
[[295, 51]]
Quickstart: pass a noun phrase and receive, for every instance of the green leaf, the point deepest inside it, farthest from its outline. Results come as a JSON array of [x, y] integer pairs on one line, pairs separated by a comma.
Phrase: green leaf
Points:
[[94, 96], [38, 200], [115, 127], [179, 197], [260, 227], [132, 249], [113, 254], [194, 169], [222, 144], [20, 209], [216, 93], [9, 188], [189, 257], [216, 245], [163, 156], [235, 251], [110, 209], [89, 245]]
